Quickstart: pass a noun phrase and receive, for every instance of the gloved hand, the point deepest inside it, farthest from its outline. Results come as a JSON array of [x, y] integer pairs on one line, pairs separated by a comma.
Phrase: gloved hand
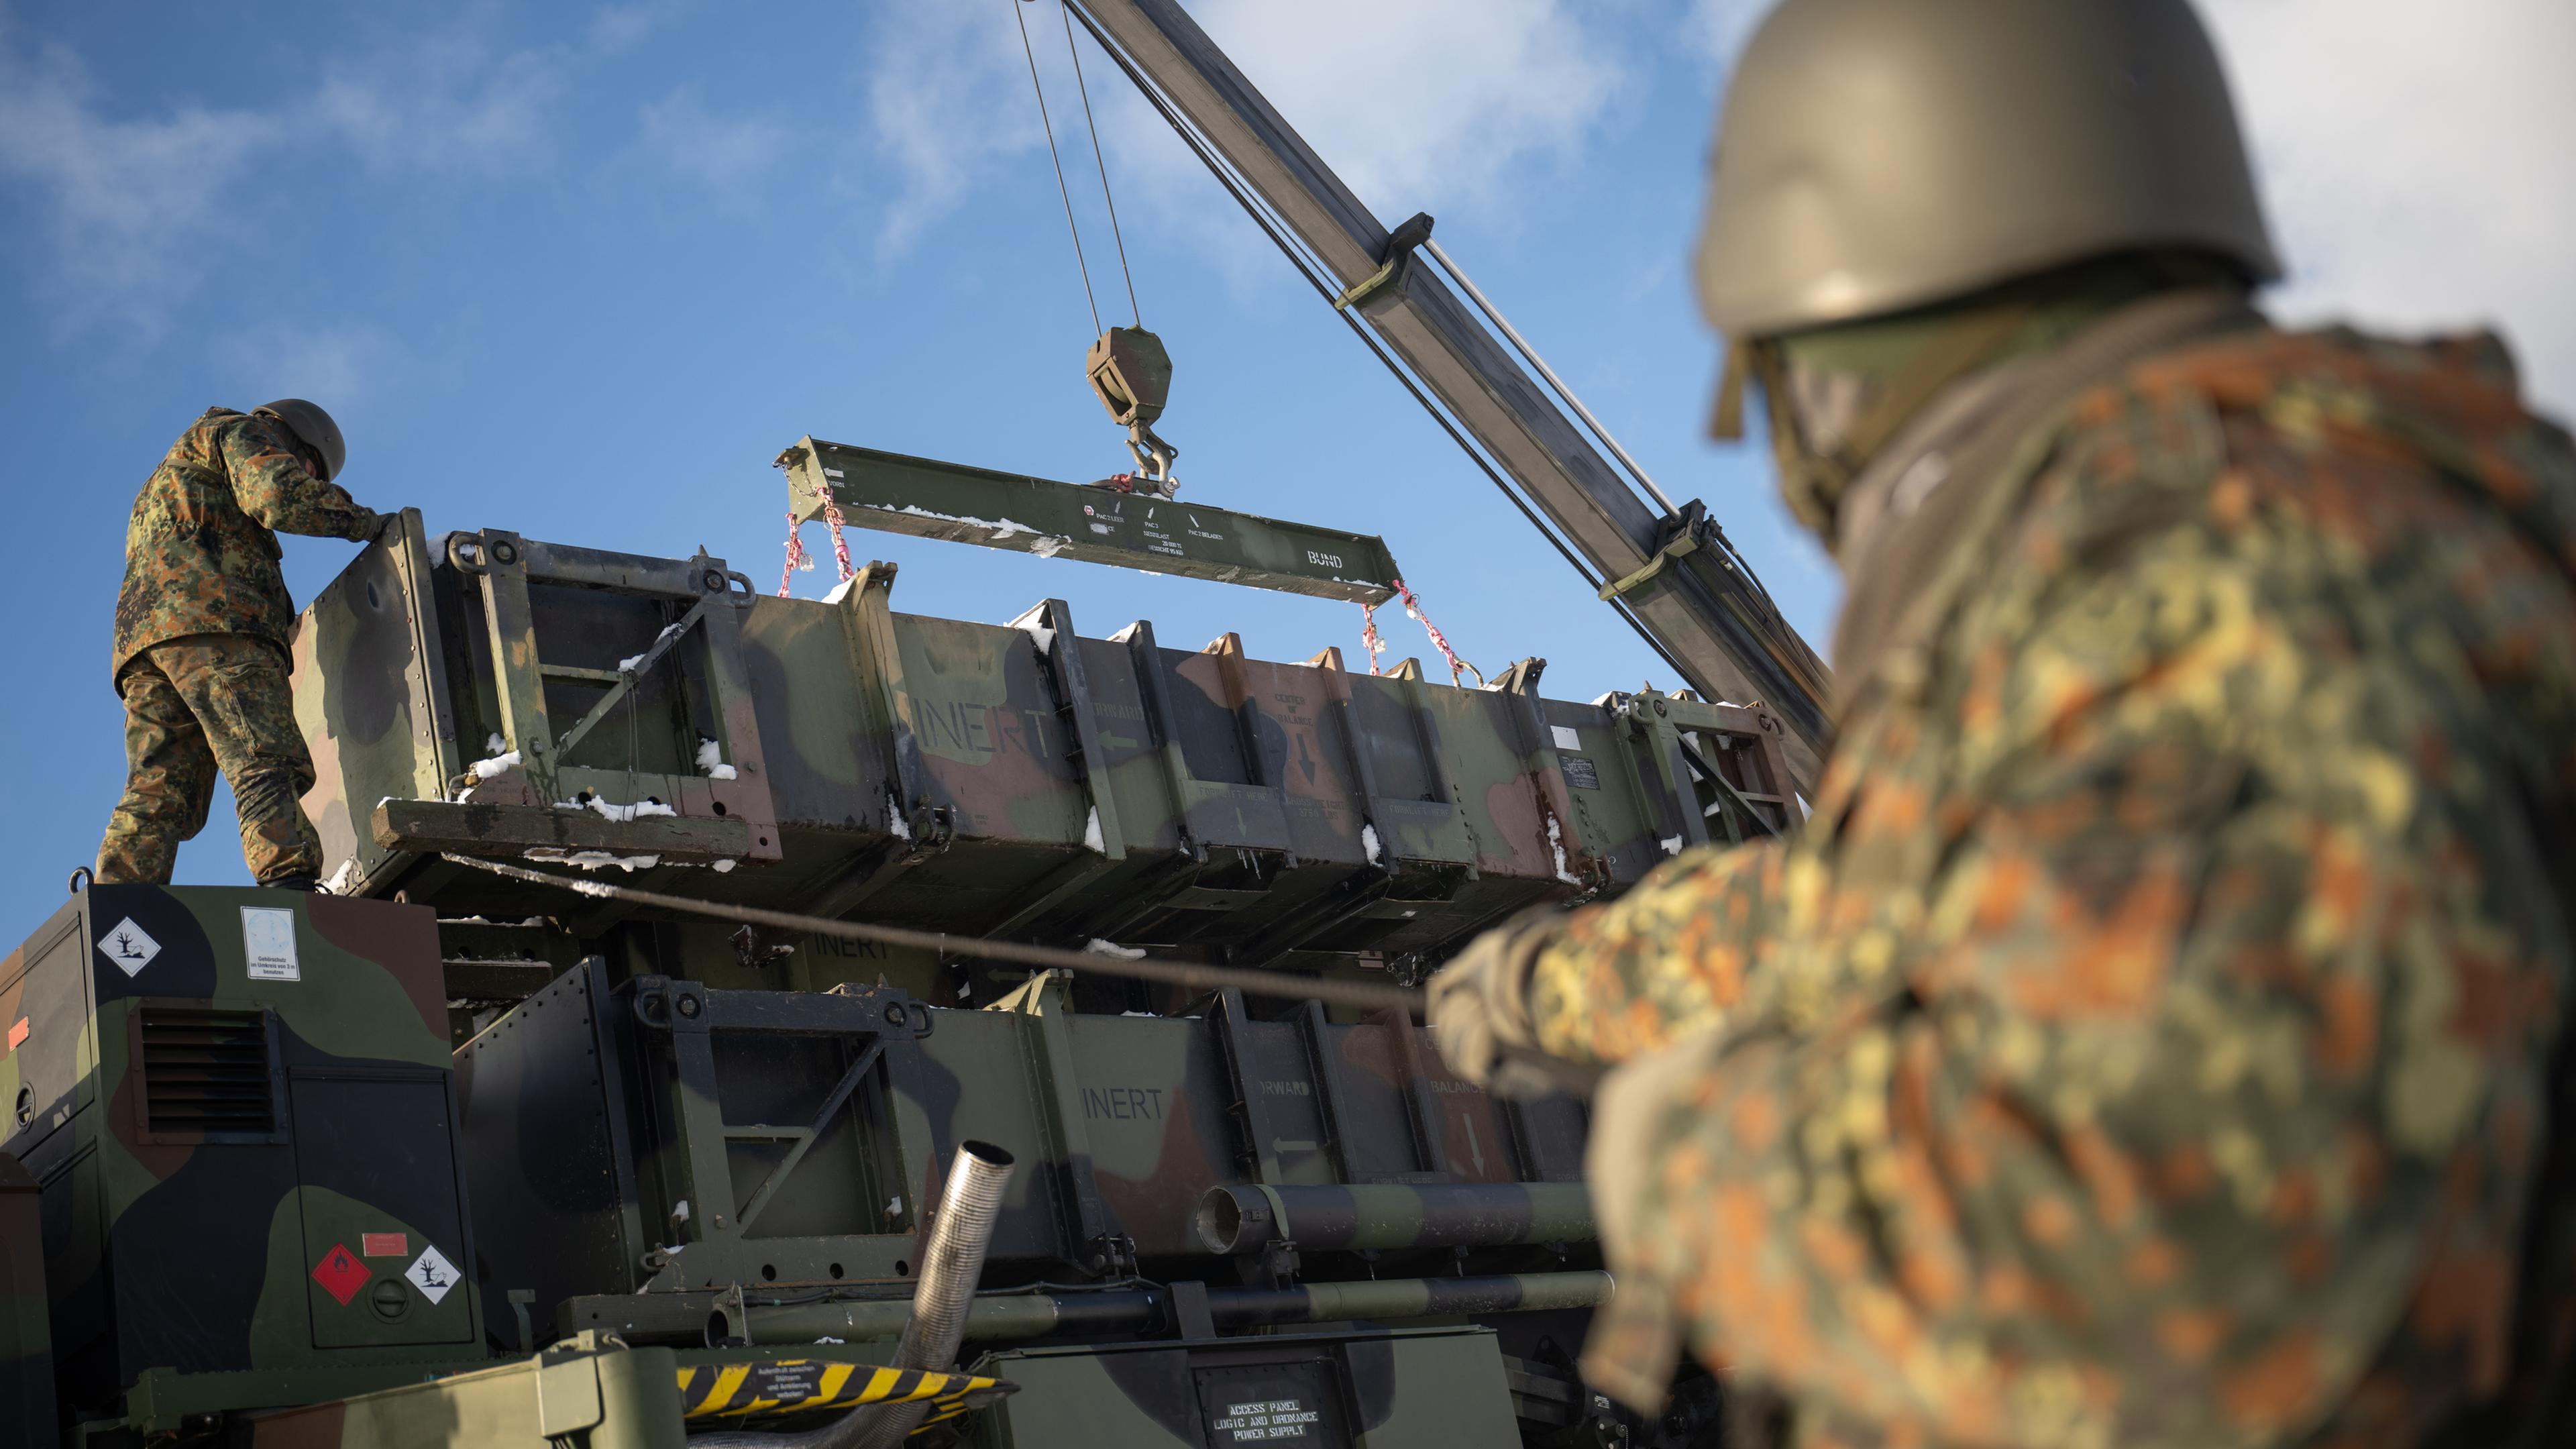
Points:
[[388, 526], [1479, 1006]]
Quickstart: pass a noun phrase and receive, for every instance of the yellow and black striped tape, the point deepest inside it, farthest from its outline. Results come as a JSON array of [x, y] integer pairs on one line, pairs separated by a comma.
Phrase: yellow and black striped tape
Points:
[[741, 1390]]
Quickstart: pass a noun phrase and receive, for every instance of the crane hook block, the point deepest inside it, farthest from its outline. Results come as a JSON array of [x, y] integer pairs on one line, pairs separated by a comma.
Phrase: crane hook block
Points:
[[1131, 374]]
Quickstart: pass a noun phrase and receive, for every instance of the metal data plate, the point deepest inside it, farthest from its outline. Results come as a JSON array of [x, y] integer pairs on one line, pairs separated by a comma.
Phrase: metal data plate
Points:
[[931, 499]]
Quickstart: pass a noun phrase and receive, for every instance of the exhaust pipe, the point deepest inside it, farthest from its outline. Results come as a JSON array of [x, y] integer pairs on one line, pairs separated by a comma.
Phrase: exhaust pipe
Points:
[[951, 1265]]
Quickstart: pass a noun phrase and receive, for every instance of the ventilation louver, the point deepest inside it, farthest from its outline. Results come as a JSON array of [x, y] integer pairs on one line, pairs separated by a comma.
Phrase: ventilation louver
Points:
[[207, 1071]]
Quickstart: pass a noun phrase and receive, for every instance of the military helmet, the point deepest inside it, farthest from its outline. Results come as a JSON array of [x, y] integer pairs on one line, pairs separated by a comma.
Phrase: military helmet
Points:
[[308, 421], [1878, 155]]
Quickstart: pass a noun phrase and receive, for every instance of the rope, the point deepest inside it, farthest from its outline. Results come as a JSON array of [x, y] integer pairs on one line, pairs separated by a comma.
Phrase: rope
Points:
[[1097, 160], [797, 557], [840, 545], [1043, 120], [1370, 638], [1439, 640], [1358, 995]]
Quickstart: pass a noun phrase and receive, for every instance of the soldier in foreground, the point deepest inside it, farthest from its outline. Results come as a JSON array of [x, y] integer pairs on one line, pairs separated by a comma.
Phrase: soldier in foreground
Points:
[[2155, 1035], [202, 625]]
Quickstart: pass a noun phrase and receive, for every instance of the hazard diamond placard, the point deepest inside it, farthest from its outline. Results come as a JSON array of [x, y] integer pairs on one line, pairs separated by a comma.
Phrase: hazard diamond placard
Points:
[[341, 1274]]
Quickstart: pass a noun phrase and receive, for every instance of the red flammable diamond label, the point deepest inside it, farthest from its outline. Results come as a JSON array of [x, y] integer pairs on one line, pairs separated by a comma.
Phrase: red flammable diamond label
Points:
[[341, 1274]]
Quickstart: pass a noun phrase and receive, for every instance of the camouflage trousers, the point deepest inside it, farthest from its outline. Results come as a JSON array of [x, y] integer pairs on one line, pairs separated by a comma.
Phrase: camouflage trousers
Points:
[[195, 705]]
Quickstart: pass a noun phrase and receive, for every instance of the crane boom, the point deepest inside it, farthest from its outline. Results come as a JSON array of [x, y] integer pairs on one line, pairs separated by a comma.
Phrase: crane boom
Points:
[[1673, 571]]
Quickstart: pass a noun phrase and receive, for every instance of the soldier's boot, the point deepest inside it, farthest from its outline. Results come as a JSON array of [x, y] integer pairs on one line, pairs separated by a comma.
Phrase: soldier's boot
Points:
[[237, 687], [169, 784]]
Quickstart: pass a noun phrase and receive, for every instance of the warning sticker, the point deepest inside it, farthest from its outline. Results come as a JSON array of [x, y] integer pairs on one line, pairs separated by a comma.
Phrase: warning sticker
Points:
[[385, 1245], [341, 1274], [129, 946], [268, 939], [18, 1034], [431, 1273]]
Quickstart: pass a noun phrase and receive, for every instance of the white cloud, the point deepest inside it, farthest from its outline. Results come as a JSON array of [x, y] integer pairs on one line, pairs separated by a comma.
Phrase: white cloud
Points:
[[1429, 102], [615, 29], [2415, 159], [129, 203], [140, 201], [342, 365], [1719, 28], [728, 156], [445, 105], [1443, 100], [947, 101]]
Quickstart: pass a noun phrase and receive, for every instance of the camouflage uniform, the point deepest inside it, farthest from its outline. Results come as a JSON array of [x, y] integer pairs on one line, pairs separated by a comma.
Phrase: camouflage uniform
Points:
[[202, 625], [2153, 1038]]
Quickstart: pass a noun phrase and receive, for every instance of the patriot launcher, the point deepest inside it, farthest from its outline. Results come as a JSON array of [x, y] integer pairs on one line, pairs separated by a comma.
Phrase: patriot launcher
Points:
[[452, 1157]]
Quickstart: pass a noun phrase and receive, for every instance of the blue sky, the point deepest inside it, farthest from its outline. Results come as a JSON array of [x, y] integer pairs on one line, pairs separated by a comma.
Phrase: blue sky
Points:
[[582, 272]]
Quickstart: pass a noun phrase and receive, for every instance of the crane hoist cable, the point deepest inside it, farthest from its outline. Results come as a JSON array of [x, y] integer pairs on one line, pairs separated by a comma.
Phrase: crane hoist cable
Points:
[[1311, 271], [1127, 368], [1061, 189], [1101, 163]]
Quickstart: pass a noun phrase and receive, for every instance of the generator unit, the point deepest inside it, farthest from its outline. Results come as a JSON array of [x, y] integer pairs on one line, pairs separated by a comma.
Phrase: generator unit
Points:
[[239, 1110]]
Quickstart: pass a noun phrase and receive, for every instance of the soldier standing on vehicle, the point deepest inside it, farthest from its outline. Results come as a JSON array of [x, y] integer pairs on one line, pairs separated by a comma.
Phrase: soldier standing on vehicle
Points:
[[2155, 1034], [202, 625]]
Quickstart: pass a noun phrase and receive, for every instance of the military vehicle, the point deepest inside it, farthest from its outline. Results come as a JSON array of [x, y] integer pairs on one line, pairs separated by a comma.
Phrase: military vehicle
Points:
[[663, 1063]]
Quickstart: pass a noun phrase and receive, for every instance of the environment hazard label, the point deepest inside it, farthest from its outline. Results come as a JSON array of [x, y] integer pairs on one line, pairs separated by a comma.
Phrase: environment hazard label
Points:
[[268, 940], [431, 1273], [385, 1245], [129, 946], [341, 1274]]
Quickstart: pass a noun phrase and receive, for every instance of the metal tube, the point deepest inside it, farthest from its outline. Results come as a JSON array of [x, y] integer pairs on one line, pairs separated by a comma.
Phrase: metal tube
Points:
[[1567, 393], [933, 1324], [1241, 1217], [994, 1316], [1039, 1315], [951, 1266], [1408, 1298]]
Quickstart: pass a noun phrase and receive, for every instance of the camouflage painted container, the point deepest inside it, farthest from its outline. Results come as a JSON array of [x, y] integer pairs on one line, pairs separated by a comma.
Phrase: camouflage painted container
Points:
[[642, 1149], [240, 1109], [1016, 780]]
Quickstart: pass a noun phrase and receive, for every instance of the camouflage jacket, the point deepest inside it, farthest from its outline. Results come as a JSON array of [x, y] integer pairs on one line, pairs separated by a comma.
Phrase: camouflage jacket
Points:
[[201, 547], [2153, 1038]]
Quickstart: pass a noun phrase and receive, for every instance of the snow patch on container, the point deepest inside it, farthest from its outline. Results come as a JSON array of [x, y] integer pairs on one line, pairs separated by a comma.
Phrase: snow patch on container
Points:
[[1556, 847], [624, 813], [595, 859], [711, 760]]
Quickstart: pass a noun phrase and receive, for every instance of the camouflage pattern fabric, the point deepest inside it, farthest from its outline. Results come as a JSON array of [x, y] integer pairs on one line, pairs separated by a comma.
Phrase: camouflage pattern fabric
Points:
[[2153, 1037], [201, 546], [192, 706]]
